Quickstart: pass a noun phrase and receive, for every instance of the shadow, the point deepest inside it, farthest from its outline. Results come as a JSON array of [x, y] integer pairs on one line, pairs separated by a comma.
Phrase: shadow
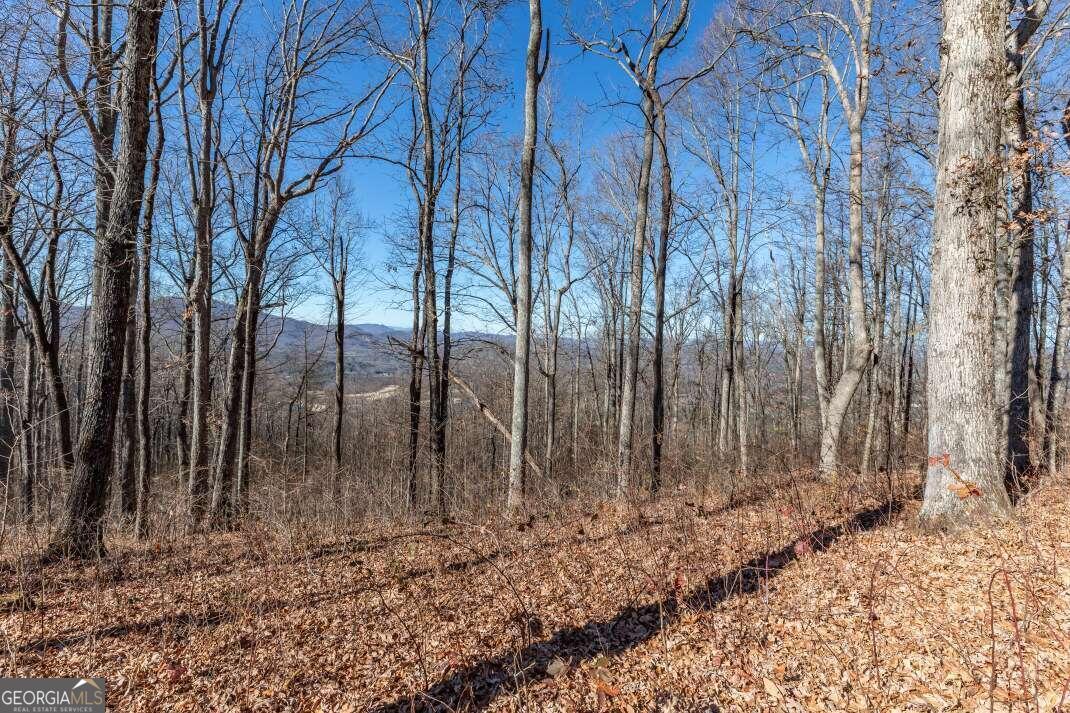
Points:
[[132, 567], [504, 554], [186, 622], [179, 623], [476, 686], [356, 545]]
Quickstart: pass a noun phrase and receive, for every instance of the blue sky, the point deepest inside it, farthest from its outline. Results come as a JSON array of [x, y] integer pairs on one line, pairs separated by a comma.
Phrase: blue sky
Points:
[[581, 82]]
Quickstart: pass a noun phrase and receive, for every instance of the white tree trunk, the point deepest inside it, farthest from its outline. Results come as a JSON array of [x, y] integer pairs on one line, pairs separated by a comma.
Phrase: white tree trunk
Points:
[[518, 440], [964, 476]]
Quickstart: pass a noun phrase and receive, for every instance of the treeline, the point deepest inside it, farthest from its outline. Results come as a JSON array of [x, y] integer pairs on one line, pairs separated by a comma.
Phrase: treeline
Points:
[[793, 221]]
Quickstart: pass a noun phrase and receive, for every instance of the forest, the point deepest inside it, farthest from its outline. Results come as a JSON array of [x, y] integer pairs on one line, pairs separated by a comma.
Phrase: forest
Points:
[[455, 355]]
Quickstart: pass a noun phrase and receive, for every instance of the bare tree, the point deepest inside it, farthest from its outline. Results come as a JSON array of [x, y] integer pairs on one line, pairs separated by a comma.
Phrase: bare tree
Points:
[[335, 245], [144, 323], [285, 110], [82, 531], [816, 33], [534, 74], [213, 31]]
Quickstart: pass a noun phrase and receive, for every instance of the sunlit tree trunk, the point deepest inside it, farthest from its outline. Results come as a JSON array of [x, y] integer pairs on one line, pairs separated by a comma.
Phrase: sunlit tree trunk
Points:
[[964, 476], [521, 353]]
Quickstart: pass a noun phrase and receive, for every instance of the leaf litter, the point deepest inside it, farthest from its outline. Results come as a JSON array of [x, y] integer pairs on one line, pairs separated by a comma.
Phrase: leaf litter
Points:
[[816, 596]]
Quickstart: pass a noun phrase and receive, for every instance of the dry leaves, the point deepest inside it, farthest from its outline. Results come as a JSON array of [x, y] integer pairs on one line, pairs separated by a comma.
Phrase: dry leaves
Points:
[[805, 599]]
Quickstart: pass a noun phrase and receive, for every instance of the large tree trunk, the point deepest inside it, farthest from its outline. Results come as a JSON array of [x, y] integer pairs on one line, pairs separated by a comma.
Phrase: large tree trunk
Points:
[[82, 531], [963, 473], [144, 390], [1019, 241], [521, 354]]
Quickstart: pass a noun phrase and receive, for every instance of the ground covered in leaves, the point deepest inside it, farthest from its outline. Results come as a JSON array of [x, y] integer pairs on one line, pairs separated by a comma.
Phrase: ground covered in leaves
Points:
[[806, 596]]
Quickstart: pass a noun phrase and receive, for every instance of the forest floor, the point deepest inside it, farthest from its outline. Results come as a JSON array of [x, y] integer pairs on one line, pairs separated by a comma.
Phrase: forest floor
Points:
[[815, 596]]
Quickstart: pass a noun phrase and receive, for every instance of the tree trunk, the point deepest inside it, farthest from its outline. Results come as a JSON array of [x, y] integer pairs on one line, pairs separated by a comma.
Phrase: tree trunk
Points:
[[630, 371], [222, 502], [339, 382], [521, 353], [201, 294], [126, 454], [661, 267], [29, 422], [186, 396], [8, 398], [1020, 239], [82, 531], [201, 386], [416, 370], [144, 336], [859, 350], [963, 472], [248, 386]]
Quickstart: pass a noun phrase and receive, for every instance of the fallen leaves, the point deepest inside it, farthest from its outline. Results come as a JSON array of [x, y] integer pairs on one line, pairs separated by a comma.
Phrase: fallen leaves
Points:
[[693, 606], [557, 668], [964, 490]]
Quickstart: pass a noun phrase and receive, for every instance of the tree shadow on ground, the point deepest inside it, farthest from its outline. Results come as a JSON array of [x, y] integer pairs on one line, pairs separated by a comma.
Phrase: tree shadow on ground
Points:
[[476, 686], [182, 623]]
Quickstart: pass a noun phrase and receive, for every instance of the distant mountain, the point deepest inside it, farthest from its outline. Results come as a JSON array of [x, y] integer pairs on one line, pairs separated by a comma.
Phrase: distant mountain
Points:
[[369, 351], [379, 330]]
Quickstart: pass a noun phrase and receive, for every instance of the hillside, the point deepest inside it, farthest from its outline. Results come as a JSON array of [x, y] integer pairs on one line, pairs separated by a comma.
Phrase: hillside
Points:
[[810, 597], [369, 351]]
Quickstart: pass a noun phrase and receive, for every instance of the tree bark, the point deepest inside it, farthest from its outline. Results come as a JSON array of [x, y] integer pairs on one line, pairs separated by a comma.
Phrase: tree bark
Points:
[[339, 380], [8, 399], [82, 531], [222, 502], [144, 335], [521, 353], [964, 476], [660, 269], [126, 428]]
